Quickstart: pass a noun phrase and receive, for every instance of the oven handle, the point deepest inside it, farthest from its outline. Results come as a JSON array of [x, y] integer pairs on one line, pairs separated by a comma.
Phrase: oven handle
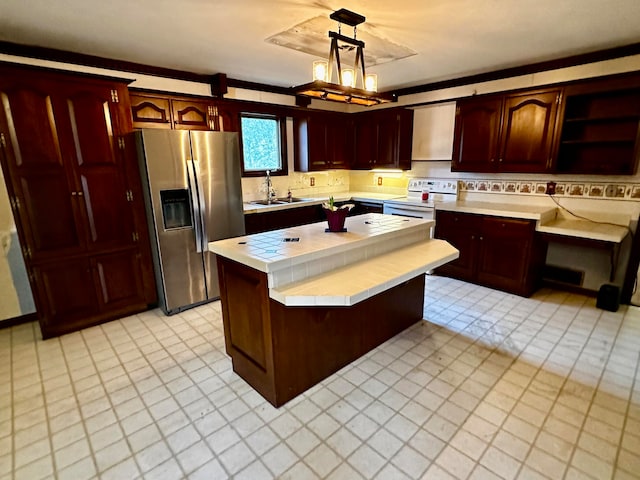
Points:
[[408, 208]]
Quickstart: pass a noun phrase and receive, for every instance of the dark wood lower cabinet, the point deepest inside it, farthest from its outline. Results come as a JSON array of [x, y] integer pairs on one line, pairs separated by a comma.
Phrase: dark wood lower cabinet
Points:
[[289, 217], [299, 215], [84, 291], [282, 351], [502, 253]]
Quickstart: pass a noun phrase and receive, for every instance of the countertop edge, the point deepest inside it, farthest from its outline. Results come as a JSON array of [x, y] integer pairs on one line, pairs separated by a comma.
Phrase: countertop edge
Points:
[[409, 261], [512, 211]]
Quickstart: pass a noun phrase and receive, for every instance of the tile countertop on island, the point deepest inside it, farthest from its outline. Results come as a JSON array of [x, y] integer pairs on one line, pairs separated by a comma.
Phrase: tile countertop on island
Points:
[[307, 266], [552, 220], [250, 208]]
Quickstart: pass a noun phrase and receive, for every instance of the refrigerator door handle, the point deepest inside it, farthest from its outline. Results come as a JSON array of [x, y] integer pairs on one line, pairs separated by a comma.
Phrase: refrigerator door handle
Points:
[[194, 189]]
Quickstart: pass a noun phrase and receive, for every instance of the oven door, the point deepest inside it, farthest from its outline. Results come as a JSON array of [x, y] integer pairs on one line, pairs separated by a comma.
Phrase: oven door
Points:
[[408, 210]]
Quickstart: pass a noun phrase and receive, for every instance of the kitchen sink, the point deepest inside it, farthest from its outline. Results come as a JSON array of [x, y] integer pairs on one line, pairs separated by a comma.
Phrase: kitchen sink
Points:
[[279, 201], [291, 200]]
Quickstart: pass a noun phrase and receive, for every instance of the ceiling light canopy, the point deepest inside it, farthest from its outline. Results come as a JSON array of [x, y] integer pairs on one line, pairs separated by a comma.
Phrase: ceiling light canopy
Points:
[[353, 85]]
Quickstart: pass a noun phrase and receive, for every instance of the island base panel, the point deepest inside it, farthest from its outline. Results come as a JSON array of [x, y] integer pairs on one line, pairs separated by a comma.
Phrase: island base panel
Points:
[[301, 346]]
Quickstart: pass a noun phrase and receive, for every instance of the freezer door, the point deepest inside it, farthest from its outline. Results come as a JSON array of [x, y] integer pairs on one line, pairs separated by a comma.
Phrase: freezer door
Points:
[[179, 267], [216, 160]]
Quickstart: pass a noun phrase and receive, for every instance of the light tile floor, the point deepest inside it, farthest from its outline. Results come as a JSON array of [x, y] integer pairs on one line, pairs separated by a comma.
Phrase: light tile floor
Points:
[[490, 386]]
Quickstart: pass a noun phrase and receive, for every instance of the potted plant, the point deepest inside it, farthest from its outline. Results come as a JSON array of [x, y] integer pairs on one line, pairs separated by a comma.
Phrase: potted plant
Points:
[[336, 215]]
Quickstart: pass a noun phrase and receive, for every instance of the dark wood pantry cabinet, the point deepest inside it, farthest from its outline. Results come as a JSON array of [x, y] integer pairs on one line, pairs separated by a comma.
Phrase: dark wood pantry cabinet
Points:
[[506, 133], [75, 196]]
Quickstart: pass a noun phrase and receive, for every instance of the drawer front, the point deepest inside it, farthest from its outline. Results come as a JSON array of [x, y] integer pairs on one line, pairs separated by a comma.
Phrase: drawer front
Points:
[[507, 227], [455, 220]]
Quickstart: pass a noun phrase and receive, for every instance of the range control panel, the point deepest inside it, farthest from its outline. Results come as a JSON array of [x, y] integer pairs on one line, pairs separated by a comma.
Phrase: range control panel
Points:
[[433, 186]]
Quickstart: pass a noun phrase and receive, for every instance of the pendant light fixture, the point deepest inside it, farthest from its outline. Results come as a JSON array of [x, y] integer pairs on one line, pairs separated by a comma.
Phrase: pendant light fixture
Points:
[[353, 85]]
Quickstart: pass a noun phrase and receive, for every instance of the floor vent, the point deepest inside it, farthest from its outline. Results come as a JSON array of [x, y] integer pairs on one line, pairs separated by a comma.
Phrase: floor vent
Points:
[[563, 275]]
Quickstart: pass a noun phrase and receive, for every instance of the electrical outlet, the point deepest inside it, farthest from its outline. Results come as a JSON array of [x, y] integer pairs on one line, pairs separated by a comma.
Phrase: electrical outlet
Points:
[[551, 188], [312, 181], [379, 180]]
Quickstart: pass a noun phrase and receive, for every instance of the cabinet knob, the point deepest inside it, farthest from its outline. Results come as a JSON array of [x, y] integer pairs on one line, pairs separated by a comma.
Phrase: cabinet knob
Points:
[[500, 160], [80, 194], [492, 160], [73, 194], [481, 238]]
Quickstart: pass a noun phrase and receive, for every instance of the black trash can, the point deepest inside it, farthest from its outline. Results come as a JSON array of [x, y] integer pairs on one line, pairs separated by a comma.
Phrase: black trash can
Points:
[[608, 298]]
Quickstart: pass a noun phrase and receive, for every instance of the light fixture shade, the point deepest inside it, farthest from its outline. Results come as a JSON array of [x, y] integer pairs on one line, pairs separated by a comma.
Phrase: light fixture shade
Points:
[[371, 82], [321, 70], [345, 89], [348, 77]]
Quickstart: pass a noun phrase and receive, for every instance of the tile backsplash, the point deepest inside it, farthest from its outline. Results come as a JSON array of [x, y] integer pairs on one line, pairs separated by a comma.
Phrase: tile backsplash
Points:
[[603, 190]]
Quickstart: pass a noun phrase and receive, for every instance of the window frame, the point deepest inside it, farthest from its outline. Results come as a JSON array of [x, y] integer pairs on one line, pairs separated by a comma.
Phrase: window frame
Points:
[[281, 120]]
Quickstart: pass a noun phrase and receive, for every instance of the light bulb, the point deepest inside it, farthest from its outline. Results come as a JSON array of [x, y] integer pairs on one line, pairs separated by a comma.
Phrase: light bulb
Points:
[[320, 70], [348, 77], [371, 82]]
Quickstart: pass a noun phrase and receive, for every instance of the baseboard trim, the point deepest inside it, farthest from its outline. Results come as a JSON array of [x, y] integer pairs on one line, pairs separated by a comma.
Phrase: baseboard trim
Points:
[[12, 322]]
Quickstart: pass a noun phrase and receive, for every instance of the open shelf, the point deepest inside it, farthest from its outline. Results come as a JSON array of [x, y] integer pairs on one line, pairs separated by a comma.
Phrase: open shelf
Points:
[[600, 132]]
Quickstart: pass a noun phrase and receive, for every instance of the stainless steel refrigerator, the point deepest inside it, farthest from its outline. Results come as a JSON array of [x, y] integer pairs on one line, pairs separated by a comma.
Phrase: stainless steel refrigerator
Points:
[[193, 196]]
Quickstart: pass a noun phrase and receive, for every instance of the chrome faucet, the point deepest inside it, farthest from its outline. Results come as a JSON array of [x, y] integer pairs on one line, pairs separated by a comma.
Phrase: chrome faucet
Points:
[[271, 192]]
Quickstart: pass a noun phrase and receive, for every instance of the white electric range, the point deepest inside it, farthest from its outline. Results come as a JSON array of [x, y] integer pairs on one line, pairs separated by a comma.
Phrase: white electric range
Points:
[[413, 206]]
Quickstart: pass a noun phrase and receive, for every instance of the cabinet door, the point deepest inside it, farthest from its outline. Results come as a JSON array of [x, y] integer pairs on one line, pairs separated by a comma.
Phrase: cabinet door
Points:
[[66, 294], [226, 118], [366, 141], [118, 278], [97, 161], [476, 135], [339, 137], [461, 231], [504, 253], [49, 215], [310, 143], [528, 127], [388, 124], [405, 139], [192, 115], [150, 112], [317, 140]]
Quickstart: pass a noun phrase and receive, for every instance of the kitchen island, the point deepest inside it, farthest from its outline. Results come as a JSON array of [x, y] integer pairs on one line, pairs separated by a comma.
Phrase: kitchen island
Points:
[[300, 303]]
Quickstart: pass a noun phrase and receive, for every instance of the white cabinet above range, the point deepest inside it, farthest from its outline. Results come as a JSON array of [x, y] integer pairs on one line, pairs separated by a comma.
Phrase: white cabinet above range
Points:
[[433, 131]]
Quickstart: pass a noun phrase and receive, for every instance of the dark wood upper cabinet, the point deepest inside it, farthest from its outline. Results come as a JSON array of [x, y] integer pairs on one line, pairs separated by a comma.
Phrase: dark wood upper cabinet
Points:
[[383, 139], [322, 141], [64, 155], [505, 133], [150, 110], [528, 128], [226, 117], [476, 134], [192, 115]]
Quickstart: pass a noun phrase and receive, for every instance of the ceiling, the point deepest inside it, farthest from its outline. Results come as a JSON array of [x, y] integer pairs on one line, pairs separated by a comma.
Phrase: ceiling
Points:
[[451, 38]]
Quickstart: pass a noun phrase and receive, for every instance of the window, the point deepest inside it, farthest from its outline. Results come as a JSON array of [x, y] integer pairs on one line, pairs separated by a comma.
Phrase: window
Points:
[[263, 145]]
